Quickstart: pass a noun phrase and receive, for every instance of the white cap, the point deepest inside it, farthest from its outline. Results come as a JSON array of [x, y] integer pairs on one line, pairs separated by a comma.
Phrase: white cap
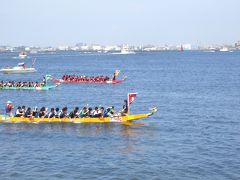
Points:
[[9, 102]]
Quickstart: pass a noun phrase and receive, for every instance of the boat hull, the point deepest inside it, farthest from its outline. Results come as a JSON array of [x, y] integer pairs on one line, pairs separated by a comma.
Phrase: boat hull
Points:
[[18, 71], [89, 82], [117, 119], [44, 88]]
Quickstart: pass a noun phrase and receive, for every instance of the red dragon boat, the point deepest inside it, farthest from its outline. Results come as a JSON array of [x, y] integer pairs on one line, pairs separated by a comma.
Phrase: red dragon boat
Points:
[[91, 79]]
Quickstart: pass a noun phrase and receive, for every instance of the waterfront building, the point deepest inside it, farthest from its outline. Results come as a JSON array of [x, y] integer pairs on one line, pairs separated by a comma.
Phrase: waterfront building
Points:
[[96, 47]]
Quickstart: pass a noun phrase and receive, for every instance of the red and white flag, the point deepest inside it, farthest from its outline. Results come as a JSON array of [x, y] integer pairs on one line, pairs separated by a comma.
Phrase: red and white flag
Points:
[[131, 98]]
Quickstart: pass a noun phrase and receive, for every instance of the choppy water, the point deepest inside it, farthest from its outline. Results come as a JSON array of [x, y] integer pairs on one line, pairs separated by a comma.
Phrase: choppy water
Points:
[[194, 135]]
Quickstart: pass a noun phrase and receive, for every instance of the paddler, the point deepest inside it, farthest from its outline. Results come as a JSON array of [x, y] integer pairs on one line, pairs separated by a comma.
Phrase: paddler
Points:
[[51, 113], [9, 107], [101, 111], [109, 112], [124, 111], [64, 113], [19, 112], [42, 112], [84, 112], [89, 114], [74, 113], [35, 112], [114, 76], [97, 112], [57, 113], [28, 113], [44, 81]]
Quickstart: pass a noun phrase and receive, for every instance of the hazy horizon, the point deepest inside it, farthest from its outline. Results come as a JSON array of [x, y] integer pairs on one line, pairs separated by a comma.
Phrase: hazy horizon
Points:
[[136, 22]]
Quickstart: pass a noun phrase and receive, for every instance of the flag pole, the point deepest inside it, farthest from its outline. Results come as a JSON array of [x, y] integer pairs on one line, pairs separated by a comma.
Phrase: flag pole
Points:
[[128, 105], [46, 79]]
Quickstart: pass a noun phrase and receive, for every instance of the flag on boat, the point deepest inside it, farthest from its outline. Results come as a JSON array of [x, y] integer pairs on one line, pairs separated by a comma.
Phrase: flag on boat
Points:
[[131, 98]]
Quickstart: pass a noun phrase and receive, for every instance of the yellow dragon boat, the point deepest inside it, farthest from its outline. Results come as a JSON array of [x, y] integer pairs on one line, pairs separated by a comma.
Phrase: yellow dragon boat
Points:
[[118, 119]]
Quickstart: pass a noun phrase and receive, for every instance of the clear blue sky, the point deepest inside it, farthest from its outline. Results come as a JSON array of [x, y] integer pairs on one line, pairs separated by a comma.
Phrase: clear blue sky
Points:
[[67, 22]]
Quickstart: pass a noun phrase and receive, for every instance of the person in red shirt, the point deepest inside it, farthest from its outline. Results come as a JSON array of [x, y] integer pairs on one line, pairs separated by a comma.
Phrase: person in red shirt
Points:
[[9, 108]]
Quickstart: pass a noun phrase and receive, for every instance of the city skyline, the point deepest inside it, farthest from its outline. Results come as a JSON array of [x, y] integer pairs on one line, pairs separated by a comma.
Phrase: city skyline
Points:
[[54, 23]]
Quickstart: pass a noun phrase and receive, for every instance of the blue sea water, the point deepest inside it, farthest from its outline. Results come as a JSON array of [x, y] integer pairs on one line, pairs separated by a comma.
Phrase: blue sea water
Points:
[[194, 135]]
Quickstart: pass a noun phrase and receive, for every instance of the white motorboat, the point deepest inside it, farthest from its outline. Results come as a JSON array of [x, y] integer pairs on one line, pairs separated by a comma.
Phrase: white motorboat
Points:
[[125, 50], [224, 49], [21, 68], [22, 55]]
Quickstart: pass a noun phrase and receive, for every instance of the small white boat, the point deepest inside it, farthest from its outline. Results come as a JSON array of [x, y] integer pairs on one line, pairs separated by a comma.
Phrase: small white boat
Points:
[[22, 55], [126, 51], [21, 68], [224, 49], [212, 49]]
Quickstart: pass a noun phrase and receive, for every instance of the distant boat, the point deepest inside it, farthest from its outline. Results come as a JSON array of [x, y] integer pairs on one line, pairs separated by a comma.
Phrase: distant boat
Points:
[[22, 55], [224, 49], [21, 68], [125, 50], [212, 49]]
